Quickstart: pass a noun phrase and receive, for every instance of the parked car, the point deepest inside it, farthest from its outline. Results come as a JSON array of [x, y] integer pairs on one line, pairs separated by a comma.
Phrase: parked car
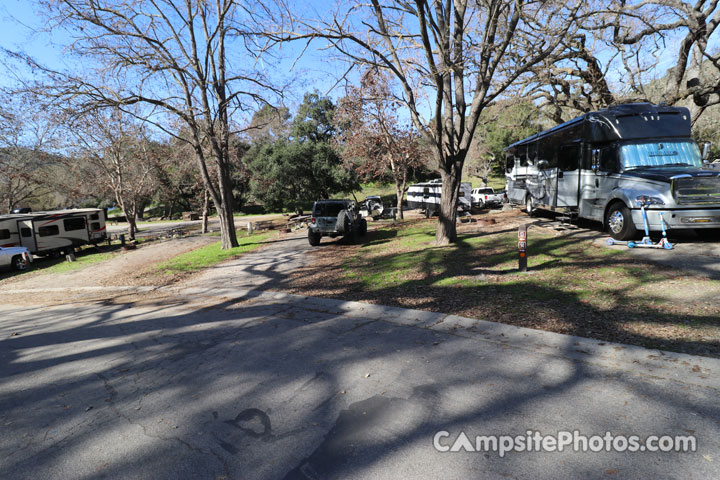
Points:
[[333, 218], [373, 207], [486, 197], [18, 258]]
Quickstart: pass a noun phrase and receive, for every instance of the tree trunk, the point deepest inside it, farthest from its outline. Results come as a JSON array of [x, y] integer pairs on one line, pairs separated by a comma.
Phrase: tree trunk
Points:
[[228, 235], [447, 228], [399, 192], [132, 226], [221, 195], [129, 213], [206, 209], [141, 210], [399, 195]]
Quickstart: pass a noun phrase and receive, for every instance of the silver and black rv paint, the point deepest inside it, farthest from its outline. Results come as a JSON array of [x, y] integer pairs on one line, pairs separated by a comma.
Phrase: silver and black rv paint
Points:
[[604, 164], [426, 196], [53, 233]]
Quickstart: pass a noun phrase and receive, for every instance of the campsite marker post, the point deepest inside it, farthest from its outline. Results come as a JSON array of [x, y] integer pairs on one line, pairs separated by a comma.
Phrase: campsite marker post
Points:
[[522, 248]]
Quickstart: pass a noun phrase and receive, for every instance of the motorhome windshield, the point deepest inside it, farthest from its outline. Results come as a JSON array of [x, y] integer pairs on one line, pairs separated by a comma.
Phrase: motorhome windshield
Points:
[[658, 154]]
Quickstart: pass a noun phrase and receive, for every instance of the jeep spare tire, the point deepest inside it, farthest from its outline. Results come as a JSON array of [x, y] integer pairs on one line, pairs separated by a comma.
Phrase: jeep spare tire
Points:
[[343, 224]]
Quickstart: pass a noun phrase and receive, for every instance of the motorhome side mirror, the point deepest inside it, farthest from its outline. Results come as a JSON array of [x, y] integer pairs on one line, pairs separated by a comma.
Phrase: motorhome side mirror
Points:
[[595, 157], [543, 164], [706, 152]]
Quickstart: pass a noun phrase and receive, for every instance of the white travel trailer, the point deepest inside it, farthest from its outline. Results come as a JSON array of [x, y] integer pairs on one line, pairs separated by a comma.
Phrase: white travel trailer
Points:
[[605, 165], [426, 196], [53, 233]]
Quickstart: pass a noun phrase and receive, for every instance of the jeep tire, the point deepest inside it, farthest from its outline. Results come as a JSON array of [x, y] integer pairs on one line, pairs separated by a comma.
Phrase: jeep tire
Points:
[[314, 238]]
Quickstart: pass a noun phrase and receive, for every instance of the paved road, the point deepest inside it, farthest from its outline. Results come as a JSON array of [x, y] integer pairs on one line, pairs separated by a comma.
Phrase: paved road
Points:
[[252, 384], [155, 228]]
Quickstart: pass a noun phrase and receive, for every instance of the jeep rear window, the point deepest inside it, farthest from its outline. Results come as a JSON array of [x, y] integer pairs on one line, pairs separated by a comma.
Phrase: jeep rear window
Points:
[[328, 209]]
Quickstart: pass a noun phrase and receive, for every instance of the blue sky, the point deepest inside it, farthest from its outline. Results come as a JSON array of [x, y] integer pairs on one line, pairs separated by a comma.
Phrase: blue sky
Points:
[[22, 29], [20, 26]]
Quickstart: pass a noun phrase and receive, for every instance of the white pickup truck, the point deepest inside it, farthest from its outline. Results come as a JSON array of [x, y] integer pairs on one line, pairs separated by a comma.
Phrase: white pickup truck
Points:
[[486, 197], [16, 257]]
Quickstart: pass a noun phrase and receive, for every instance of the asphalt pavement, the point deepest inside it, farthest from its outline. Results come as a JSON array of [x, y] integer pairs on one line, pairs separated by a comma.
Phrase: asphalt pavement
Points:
[[227, 379]]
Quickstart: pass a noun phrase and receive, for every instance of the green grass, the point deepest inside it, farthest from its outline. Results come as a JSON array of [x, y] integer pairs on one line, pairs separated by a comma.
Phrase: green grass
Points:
[[84, 257], [573, 285], [384, 190], [562, 268], [210, 255], [81, 262]]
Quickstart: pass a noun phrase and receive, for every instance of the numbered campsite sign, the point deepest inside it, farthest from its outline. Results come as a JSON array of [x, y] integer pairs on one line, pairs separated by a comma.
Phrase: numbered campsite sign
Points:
[[522, 248]]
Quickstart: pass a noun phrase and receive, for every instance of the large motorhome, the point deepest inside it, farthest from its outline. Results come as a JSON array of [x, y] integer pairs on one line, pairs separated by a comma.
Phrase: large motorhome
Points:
[[53, 233], [603, 165], [426, 196]]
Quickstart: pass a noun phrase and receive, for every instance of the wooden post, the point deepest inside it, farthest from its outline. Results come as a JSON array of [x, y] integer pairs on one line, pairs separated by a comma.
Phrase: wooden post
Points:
[[522, 248]]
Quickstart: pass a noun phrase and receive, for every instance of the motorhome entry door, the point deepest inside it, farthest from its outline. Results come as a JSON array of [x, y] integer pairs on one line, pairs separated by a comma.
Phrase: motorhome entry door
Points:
[[27, 234]]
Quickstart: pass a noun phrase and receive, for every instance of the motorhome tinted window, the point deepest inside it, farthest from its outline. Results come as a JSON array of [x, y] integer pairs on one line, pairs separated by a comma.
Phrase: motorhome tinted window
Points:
[[71, 224], [95, 216], [660, 154], [4, 234], [548, 151], [48, 230], [568, 157], [25, 232], [532, 150], [510, 163], [608, 160], [95, 226]]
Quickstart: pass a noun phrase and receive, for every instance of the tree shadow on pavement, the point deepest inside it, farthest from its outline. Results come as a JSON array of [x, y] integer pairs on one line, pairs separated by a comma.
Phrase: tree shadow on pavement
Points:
[[277, 389]]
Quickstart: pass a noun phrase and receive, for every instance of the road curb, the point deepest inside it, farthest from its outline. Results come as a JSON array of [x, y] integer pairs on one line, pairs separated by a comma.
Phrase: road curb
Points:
[[684, 368]]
